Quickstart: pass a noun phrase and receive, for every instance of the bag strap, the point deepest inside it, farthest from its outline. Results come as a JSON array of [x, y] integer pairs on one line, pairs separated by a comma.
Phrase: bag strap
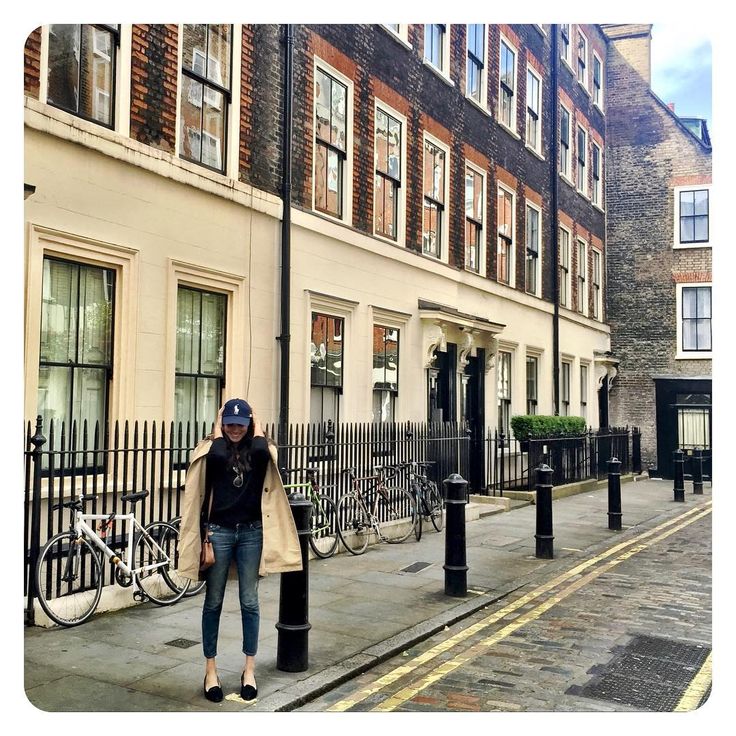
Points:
[[208, 495]]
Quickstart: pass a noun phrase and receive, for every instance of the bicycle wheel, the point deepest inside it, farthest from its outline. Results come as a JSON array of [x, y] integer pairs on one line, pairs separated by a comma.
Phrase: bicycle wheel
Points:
[[195, 586], [353, 524], [323, 537], [157, 575], [397, 513], [416, 495], [436, 504], [68, 579]]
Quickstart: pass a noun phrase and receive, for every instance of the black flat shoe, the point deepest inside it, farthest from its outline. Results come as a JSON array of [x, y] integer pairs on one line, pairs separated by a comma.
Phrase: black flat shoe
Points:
[[247, 692], [215, 692]]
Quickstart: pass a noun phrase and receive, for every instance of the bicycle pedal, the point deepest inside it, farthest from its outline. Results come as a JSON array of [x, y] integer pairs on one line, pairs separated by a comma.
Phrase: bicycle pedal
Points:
[[139, 595]]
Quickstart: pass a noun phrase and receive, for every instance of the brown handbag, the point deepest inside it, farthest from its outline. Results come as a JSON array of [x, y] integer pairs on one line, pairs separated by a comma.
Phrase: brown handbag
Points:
[[207, 553]]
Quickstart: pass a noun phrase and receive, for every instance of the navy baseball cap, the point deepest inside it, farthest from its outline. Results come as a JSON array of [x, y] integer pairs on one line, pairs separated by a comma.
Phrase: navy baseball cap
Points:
[[237, 411]]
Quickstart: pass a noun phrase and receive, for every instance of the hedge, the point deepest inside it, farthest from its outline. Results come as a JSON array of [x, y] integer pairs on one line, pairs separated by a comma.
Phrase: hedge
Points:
[[534, 426]]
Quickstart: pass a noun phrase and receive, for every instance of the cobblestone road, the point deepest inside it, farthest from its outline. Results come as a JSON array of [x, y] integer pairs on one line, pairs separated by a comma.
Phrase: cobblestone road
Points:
[[628, 629]]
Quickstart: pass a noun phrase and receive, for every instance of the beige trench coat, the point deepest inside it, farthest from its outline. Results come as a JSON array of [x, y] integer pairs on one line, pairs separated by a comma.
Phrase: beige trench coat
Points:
[[281, 551]]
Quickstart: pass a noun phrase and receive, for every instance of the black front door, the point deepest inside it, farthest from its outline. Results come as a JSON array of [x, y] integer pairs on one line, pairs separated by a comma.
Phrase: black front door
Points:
[[684, 421], [441, 386], [473, 417]]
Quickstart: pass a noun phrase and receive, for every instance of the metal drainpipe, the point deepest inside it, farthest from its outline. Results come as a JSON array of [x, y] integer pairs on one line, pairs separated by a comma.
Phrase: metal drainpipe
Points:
[[555, 180], [284, 338]]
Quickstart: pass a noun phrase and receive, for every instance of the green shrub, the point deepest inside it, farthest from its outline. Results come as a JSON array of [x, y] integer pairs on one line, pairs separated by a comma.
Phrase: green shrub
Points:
[[533, 426]]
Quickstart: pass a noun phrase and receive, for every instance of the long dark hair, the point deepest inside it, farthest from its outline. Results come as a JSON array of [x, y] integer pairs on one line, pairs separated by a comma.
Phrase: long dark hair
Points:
[[235, 456]]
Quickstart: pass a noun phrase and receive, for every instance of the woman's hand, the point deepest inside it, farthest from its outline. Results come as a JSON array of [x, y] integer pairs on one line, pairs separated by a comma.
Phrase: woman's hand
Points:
[[218, 423]]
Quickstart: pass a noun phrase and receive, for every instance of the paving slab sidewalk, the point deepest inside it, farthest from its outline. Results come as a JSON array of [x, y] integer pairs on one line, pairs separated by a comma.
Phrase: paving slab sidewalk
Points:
[[362, 610]]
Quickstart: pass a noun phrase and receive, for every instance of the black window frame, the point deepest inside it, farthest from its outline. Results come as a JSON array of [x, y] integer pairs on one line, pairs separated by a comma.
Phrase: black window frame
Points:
[[532, 387], [565, 41], [694, 215], [429, 200], [597, 193], [386, 386], [114, 30], [597, 80], [508, 240], [342, 154], [475, 61], [581, 152], [386, 176], [597, 282], [198, 374], [75, 365], [696, 319], [531, 113], [475, 225], [564, 267], [582, 302], [227, 101], [582, 61], [442, 30], [506, 93], [565, 142], [532, 249]]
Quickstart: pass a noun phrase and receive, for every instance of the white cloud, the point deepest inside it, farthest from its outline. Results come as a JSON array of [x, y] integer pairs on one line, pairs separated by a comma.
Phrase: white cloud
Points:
[[680, 54]]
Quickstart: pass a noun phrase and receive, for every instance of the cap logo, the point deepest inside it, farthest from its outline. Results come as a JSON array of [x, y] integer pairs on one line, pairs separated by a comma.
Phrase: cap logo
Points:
[[236, 410]]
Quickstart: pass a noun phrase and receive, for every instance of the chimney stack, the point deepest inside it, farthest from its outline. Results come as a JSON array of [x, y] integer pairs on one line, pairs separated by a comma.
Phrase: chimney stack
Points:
[[634, 42]]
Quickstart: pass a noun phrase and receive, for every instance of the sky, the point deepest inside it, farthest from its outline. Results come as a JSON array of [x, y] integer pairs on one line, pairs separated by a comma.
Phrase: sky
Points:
[[681, 68]]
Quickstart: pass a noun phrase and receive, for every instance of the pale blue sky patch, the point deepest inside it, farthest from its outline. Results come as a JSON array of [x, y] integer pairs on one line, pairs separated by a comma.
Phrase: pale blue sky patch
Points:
[[682, 67]]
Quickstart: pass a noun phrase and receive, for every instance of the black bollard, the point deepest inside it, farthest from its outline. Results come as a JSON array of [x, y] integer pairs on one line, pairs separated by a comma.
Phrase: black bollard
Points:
[[292, 653], [679, 487], [38, 441], [456, 569], [544, 537], [614, 494], [698, 472]]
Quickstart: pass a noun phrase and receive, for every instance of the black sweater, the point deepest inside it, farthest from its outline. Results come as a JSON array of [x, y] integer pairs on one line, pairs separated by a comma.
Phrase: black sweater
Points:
[[233, 505]]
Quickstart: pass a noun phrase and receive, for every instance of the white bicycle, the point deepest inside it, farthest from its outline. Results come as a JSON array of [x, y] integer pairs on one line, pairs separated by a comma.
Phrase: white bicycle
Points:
[[69, 576]]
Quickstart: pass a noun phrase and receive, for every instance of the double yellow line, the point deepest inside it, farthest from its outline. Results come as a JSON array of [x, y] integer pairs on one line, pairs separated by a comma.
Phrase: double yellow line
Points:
[[631, 547]]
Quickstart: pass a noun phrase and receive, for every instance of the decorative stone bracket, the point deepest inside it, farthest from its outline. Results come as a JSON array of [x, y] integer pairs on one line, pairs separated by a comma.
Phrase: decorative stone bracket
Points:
[[605, 365], [434, 338]]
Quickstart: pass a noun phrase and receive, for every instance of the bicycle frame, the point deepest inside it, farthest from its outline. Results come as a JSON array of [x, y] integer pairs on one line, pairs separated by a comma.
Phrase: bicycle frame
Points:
[[83, 529], [311, 494], [379, 487]]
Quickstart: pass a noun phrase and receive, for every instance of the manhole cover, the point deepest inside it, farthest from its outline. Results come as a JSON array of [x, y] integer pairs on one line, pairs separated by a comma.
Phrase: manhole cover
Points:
[[650, 673], [181, 643], [416, 567]]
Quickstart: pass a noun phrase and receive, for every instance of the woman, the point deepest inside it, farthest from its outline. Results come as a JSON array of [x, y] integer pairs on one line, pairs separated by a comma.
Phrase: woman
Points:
[[234, 488]]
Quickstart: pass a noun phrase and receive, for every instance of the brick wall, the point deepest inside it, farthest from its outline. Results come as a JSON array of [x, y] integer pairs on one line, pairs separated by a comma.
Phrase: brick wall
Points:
[[154, 85], [32, 63], [379, 65], [649, 154]]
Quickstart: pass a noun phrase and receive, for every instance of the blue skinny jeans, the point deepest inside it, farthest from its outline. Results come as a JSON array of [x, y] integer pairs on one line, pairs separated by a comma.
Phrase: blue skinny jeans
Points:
[[244, 544]]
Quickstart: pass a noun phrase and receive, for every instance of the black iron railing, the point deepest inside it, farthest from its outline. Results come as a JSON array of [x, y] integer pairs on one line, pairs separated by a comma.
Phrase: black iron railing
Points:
[[64, 463]]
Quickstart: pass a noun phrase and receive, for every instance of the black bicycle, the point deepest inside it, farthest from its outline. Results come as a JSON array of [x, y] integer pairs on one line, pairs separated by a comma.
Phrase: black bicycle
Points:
[[429, 502]]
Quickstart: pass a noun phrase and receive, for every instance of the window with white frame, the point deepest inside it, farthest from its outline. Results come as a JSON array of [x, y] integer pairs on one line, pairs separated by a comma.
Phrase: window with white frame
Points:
[[388, 175], [507, 86], [401, 30], [584, 390], [582, 59], [81, 70], [582, 159], [205, 93], [565, 135], [597, 165], [76, 349], [435, 38], [504, 392], [385, 373], [474, 199], [565, 368], [200, 358], [597, 284], [695, 319], [506, 237], [597, 81], [533, 242], [475, 85], [533, 110], [532, 383], [582, 304], [435, 174], [564, 267], [331, 143], [565, 31], [692, 215], [326, 367]]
